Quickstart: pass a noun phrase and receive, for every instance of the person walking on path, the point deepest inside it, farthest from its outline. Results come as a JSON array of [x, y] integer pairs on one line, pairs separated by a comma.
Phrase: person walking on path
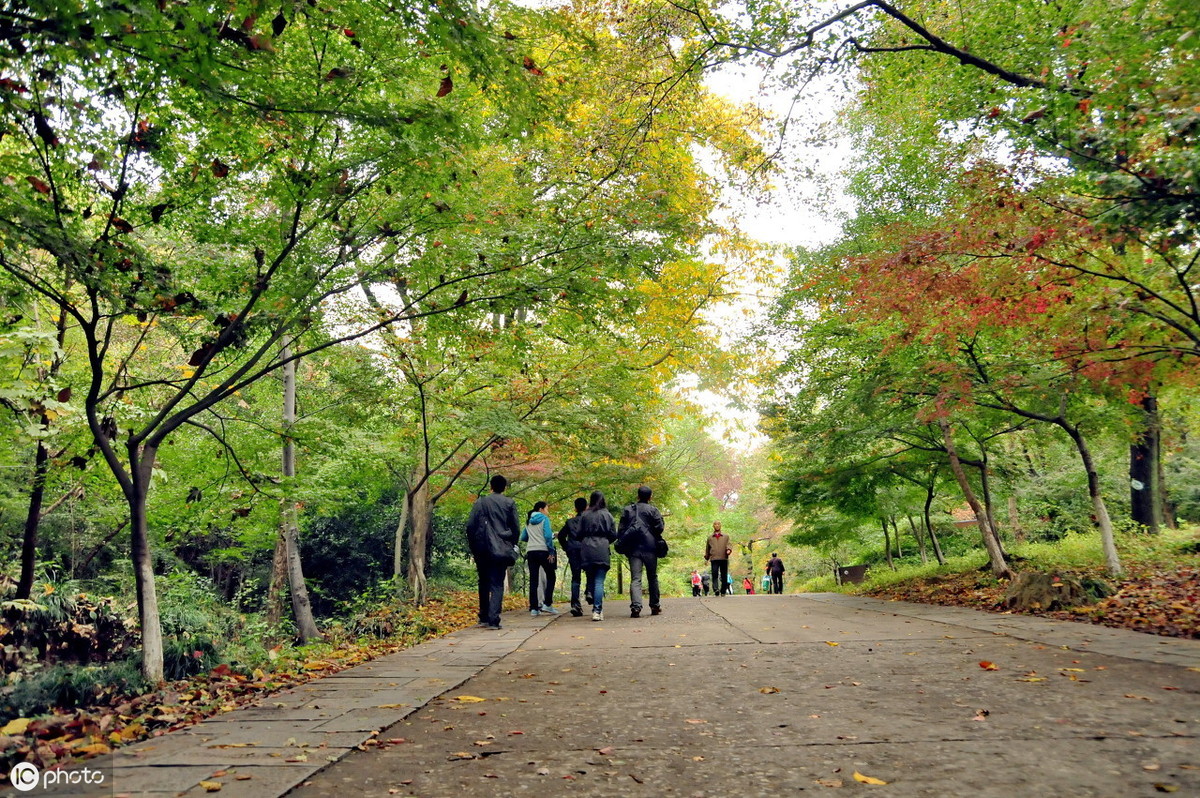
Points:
[[746, 583], [706, 582], [596, 533], [717, 550], [568, 541], [538, 537], [696, 581], [766, 581], [641, 528], [492, 532], [775, 569]]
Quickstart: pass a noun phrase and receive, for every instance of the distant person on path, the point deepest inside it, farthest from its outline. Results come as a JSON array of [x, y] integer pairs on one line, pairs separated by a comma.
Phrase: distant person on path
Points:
[[728, 584], [596, 533], [717, 550], [766, 582], [696, 581], [568, 541], [706, 582], [641, 527], [748, 585], [493, 520], [775, 569], [538, 537]]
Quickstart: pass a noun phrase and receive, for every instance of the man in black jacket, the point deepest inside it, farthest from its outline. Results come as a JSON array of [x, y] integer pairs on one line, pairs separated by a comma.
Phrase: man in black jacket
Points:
[[568, 541], [492, 523], [640, 528]]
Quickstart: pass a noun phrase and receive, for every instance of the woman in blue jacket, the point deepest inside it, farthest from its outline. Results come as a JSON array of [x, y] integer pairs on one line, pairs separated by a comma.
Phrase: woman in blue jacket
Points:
[[539, 554]]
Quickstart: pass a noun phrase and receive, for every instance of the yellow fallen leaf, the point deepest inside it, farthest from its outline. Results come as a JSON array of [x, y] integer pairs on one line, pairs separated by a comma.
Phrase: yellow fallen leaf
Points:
[[867, 779], [768, 690], [94, 748], [16, 726], [469, 699], [393, 706], [211, 786], [695, 720], [830, 643]]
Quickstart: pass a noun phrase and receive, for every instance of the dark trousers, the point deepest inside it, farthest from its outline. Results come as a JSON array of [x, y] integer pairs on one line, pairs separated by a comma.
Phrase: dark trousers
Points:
[[777, 583], [695, 590], [576, 580], [539, 563], [491, 589], [720, 576]]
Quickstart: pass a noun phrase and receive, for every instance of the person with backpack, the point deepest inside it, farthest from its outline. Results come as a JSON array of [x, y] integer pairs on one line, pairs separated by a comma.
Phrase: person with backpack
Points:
[[696, 582], [538, 537], [596, 533], [639, 538], [568, 541], [492, 531], [706, 582], [775, 569]]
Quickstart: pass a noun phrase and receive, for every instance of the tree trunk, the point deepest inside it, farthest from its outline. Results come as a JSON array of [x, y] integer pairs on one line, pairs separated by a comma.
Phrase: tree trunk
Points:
[[896, 537], [990, 542], [306, 626], [143, 563], [887, 544], [33, 517], [917, 536], [1107, 540], [937, 546], [985, 484], [1145, 488], [421, 514], [401, 531], [1014, 520], [278, 583]]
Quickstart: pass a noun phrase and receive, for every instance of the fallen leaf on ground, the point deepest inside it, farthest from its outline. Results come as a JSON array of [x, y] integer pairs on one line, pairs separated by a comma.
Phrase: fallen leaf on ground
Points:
[[989, 666], [1166, 787], [469, 699], [211, 786], [17, 726], [695, 720], [768, 690], [606, 750], [867, 779], [830, 643], [830, 782], [461, 755]]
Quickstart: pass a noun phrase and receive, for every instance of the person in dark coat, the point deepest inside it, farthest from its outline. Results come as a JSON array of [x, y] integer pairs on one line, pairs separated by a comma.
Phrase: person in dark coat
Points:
[[499, 513], [775, 569], [568, 541], [642, 526], [596, 533]]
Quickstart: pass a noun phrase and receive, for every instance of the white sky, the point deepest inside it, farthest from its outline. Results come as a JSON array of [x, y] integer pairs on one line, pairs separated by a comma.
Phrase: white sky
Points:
[[797, 212]]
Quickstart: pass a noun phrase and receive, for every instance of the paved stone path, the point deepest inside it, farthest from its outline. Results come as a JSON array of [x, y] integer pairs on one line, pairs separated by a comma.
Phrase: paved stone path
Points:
[[736, 696]]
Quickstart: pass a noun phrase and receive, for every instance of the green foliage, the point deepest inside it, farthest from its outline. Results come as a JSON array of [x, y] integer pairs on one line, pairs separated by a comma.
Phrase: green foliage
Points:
[[76, 686]]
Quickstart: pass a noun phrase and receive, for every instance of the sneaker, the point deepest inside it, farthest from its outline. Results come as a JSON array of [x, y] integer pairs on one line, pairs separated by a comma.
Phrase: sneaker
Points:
[[597, 615], [546, 608], [534, 613], [635, 613], [656, 610], [577, 611], [493, 626]]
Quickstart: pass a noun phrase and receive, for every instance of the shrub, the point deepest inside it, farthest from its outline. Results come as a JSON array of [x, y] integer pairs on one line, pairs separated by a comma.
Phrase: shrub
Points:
[[71, 686]]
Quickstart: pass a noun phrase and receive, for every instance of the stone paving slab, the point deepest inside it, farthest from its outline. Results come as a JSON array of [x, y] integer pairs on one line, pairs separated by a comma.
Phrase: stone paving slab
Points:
[[775, 695], [292, 734], [746, 696]]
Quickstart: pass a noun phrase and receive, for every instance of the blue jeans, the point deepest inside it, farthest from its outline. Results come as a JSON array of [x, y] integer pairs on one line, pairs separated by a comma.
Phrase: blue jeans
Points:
[[595, 577]]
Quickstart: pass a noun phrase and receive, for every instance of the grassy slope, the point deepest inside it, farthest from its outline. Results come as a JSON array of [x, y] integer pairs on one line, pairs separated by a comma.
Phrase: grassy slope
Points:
[[1159, 593]]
